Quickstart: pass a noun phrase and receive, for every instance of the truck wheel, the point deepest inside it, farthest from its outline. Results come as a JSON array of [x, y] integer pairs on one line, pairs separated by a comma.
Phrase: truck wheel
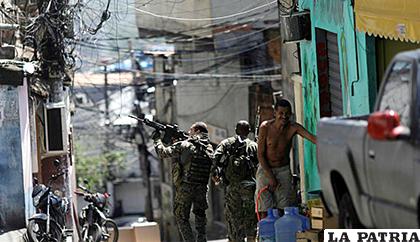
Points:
[[347, 217]]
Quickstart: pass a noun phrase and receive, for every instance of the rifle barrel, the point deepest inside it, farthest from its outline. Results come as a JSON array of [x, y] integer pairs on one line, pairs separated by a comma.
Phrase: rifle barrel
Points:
[[132, 116], [150, 123]]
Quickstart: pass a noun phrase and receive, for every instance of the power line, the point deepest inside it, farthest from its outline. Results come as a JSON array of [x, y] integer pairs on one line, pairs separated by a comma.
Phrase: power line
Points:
[[187, 51], [208, 26], [116, 49], [211, 75], [228, 55], [204, 19]]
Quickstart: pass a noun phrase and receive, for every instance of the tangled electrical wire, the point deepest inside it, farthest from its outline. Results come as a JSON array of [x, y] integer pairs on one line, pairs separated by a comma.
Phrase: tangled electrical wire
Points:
[[51, 34], [105, 16]]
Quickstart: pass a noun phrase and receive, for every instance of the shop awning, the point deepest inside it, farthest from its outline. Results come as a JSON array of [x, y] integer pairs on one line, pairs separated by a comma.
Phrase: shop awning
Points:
[[393, 19]]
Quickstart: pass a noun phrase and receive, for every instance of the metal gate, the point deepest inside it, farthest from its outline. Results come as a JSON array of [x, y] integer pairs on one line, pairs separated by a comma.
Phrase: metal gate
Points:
[[334, 76]]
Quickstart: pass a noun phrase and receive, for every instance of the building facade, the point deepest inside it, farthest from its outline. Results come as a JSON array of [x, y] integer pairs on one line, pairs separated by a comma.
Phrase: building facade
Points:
[[338, 71], [343, 63]]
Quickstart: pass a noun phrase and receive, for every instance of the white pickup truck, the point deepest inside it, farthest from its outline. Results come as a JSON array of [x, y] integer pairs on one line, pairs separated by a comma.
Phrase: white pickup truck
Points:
[[368, 165]]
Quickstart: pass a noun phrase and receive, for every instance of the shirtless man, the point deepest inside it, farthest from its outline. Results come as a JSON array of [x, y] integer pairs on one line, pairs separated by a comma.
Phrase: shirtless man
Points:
[[274, 144]]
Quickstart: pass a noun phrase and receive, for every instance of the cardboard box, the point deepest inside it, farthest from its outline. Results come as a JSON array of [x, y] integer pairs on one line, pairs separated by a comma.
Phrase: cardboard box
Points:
[[317, 223], [147, 232], [317, 212], [126, 234]]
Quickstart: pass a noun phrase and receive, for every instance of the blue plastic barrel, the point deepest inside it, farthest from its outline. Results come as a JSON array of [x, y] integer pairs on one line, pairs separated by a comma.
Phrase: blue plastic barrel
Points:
[[287, 226], [266, 229], [306, 223]]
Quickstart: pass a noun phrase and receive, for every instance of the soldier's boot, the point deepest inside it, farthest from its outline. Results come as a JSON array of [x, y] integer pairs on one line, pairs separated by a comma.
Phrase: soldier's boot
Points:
[[200, 223], [184, 228]]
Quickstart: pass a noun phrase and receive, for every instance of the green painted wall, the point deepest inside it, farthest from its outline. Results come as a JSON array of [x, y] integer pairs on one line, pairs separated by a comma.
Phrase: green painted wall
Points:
[[356, 54]]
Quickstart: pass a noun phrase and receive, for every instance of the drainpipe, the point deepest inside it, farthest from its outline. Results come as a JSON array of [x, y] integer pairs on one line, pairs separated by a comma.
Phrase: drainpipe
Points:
[[356, 49]]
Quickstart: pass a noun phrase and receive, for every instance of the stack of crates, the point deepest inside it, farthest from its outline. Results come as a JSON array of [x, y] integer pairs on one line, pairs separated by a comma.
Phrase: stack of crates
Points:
[[320, 220]]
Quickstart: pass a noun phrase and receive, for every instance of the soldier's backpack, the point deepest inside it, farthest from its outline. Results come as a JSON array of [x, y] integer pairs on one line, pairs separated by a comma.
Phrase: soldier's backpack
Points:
[[240, 166], [198, 171]]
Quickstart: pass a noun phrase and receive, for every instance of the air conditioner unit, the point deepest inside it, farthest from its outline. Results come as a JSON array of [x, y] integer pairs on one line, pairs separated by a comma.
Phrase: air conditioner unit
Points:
[[56, 136], [295, 27]]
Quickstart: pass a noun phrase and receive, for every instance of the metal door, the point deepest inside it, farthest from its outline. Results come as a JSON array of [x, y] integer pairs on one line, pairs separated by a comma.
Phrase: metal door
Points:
[[329, 76], [334, 75]]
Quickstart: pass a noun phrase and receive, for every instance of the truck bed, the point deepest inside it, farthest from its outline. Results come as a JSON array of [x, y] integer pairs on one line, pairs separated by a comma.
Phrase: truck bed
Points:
[[340, 145]]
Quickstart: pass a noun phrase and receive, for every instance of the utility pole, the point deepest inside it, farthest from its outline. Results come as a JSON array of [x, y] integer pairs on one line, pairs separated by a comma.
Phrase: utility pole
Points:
[[51, 46], [49, 42], [107, 121], [107, 145], [142, 147]]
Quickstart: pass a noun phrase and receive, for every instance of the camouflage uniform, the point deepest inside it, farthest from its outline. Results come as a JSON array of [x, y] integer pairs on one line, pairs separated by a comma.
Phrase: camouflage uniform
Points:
[[238, 161], [189, 192]]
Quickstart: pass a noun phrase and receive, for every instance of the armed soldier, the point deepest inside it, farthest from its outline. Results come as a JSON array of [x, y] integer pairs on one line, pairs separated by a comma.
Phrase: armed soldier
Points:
[[236, 160], [190, 176]]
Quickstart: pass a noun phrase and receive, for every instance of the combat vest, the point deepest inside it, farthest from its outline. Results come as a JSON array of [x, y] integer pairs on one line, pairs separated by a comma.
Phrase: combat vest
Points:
[[198, 169], [240, 166]]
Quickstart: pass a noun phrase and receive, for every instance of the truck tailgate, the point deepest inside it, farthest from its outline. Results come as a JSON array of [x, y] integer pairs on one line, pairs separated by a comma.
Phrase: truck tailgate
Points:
[[340, 148]]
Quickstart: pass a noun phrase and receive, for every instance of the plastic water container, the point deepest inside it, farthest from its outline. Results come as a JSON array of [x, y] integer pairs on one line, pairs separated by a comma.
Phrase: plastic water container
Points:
[[287, 226], [276, 213], [306, 224], [266, 229]]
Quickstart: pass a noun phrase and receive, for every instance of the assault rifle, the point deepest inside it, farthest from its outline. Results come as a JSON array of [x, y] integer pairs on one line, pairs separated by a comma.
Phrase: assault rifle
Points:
[[171, 132]]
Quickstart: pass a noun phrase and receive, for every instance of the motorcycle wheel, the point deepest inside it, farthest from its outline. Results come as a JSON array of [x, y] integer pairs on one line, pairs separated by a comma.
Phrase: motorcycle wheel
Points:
[[37, 231], [91, 233], [109, 231]]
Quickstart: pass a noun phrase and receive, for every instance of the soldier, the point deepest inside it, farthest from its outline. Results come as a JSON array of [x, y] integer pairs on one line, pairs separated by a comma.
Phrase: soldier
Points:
[[190, 175], [235, 162]]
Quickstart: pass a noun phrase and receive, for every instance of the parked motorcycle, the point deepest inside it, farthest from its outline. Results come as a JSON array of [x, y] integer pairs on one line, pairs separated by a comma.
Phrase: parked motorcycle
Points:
[[96, 227], [48, 224]]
